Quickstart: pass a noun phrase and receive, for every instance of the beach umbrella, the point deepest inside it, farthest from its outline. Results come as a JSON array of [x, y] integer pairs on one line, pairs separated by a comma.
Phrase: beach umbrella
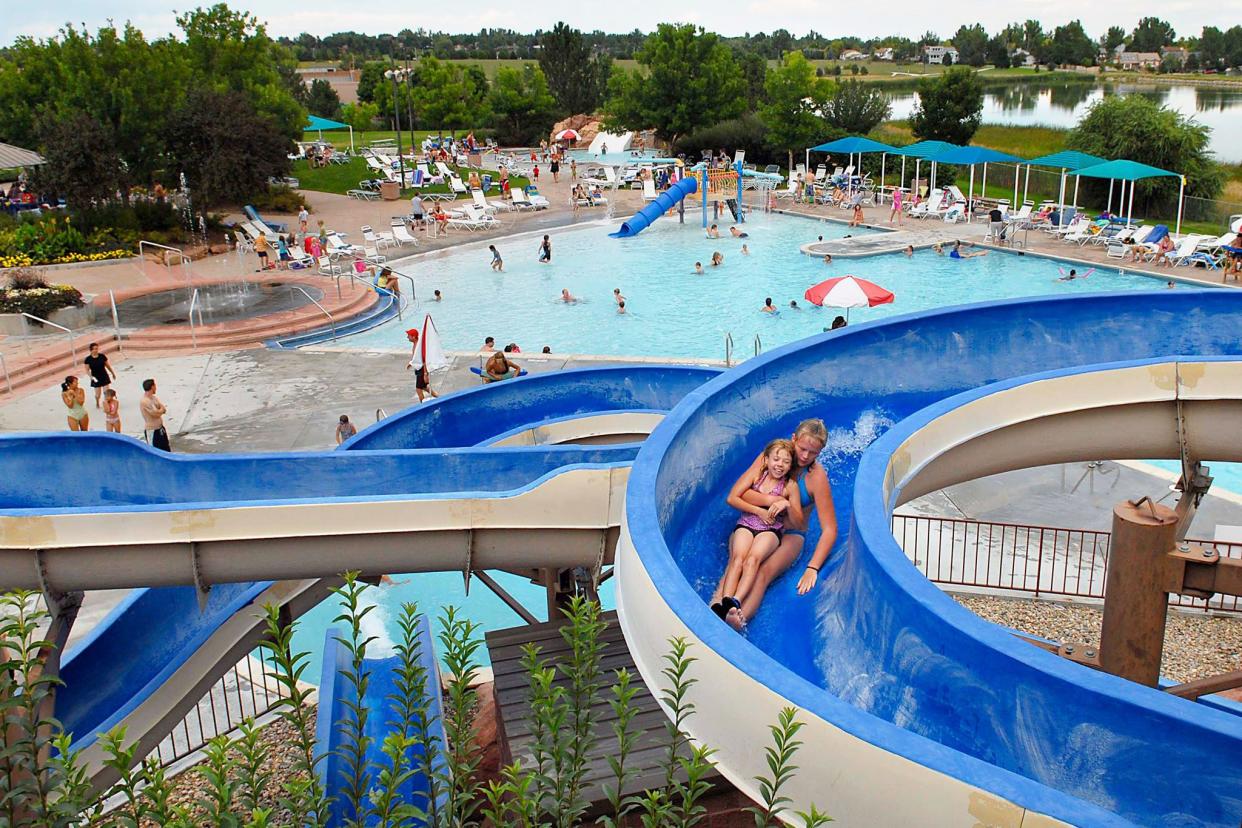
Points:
[[847, 292], [567, 135]]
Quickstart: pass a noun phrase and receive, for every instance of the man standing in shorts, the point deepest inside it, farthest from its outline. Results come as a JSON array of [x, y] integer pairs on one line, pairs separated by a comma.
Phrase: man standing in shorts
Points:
[[153, 412], [422, 380], [101, 371]]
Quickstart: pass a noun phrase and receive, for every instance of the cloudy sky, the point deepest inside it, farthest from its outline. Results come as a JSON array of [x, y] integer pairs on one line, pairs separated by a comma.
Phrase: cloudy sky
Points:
[[731, 17]]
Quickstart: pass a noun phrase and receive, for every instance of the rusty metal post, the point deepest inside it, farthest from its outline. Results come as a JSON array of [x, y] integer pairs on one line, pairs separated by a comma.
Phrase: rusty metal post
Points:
[[1136, 604]]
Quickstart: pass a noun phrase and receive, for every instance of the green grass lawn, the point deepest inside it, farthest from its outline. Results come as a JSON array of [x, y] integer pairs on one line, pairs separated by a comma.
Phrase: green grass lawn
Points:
[[340, 178], [340, 138]]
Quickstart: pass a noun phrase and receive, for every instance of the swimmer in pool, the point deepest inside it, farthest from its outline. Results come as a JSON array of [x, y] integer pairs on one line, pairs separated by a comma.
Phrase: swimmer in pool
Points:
[[939, 248], [698, 268], [738, 234], [567, 297], [793, 303], [745, 250], [827, 258], [768, 307], [956, 252], [909, 251], [713, 232], [717, 259], [1072, 275], [617, 297]]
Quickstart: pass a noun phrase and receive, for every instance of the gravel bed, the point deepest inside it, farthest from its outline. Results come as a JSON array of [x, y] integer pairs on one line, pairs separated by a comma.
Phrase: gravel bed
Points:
[[1196, 645]]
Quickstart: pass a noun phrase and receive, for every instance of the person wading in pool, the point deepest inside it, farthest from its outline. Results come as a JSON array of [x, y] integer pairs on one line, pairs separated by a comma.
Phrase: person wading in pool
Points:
[[814, 489]]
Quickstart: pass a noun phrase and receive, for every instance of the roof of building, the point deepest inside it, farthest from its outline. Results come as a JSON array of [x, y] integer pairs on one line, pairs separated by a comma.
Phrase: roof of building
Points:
[[11, 156]]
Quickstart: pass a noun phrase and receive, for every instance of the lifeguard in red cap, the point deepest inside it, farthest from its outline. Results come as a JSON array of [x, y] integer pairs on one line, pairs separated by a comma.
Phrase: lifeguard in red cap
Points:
[[422, 379]]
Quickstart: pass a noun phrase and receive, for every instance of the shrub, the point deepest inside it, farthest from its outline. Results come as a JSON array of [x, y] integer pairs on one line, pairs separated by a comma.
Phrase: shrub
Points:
[[279, 198], [40, 301], [25, 278], [745, 133]]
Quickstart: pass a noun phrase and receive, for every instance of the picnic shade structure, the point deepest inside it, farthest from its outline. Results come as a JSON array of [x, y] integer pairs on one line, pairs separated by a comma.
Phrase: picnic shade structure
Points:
[[567, 135], [12, 157], [316, 124], [1133, 172], [853, 145], [970, 156], [920, 152], [847, 292], [1067, 161]]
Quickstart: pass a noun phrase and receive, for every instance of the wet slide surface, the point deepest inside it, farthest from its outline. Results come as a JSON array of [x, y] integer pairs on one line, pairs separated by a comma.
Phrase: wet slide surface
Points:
[[877, 650]]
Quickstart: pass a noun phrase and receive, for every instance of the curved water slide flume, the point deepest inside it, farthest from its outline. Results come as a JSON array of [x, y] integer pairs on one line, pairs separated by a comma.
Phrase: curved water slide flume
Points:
[[917, 711], [153, 656]]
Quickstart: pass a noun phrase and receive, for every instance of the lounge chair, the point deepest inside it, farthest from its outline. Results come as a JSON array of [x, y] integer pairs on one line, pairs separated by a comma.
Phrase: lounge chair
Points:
[[254, 216], [328, 268], [1079, 232], [457, 185], [927, 208], [484, 205], [371, 254], [540, 202], [401, 233], [377, 240], [1181, 254], [338, 247], [649, 190], [472, 219]]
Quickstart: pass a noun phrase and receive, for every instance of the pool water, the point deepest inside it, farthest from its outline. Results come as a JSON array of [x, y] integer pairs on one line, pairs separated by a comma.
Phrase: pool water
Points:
[[431, 591], [671, 311]]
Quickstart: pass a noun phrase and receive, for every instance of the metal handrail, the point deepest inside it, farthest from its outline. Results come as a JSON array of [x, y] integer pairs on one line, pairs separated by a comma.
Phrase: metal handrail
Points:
[[73, 348], [116, 322], [5, 366], [728, 350], [185, 262], [331, 319], [380, 414], [193, 302], [758, 345]]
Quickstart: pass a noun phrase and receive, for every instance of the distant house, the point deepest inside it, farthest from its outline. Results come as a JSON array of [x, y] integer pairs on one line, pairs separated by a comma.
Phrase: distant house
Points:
[[884, 54], [853, 54], [1139, 60], [1021, 57], [936, 54], [1181, 53]]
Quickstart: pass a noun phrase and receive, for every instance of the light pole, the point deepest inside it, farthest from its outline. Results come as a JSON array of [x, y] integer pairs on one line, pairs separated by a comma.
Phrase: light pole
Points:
[[395, 75]]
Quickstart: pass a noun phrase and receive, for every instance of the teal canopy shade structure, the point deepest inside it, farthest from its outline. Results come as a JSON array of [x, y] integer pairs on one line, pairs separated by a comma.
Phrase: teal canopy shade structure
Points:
[[1124, 171], [1067, 160], [920, 152], [1132, 171], [969, 156], [854, 144], [316, 124]]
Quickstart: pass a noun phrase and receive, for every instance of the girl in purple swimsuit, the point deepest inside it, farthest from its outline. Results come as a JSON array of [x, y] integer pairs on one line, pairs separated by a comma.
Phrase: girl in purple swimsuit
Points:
[[759, 530]]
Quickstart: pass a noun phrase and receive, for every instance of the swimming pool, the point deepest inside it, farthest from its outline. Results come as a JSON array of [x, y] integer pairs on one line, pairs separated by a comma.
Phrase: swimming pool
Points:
[[671, 312]]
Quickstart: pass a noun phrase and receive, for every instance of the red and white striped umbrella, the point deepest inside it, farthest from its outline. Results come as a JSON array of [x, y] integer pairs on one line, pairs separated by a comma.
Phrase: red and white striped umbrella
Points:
[[567, 135], [848, 292]]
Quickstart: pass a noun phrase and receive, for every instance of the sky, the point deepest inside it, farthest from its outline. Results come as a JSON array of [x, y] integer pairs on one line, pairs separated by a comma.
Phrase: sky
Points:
[[729, 17]]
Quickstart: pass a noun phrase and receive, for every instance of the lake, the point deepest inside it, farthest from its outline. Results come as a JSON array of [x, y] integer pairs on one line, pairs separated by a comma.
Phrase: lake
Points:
[[1061, 105]]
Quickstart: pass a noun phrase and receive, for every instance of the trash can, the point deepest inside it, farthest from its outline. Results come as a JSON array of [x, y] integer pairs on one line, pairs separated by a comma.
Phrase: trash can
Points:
[[389, 191]]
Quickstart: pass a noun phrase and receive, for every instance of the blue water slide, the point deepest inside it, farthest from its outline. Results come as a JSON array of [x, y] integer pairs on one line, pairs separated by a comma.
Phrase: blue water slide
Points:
[[336, 694], [666, 201], [877, 652], [480, 415]]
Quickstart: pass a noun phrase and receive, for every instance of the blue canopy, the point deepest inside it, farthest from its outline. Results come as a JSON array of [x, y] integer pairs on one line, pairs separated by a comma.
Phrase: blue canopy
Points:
[[1124, 171], [969, 156], [852, 144], [927, 150], [316, 124], [1067, 160]]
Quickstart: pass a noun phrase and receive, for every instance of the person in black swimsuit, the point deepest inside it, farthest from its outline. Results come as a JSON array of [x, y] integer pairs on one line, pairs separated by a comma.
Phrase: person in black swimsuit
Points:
[[101, 371]]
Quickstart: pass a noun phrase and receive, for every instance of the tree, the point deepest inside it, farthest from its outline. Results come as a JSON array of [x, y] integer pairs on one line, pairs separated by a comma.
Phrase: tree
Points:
[[950, 107], [1141, 130], [755, 72], [370, 79], [687, 78], [323, 100], [83, 164], [971, 43], [998, 52], [857, 108], [446, 96], [1114, 37], [1033, 38], [1070, 45], [361, 116], [794, 98], [1213, 48], [1150, 34], [226, 149], [575, 77], [521, 104]]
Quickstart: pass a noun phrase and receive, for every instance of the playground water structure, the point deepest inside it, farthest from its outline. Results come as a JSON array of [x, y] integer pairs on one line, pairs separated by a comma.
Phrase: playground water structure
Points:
[[900, 688], [673, 313]]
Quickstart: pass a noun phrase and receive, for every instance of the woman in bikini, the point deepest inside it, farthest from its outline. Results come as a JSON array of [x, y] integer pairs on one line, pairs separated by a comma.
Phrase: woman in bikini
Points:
[[813, 489], [112, 412], [74, 397]]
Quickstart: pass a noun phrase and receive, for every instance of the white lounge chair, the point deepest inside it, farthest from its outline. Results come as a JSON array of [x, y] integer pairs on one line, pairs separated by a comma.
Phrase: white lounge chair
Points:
[[483, 204], [1079, 232], [1185, 249], [376, 240], [930, 207], [520, 201], [649, 190], [371, 253], [471, 219], [328, 268], [540, 202], [338, 247], [401, 233], [457, 185]]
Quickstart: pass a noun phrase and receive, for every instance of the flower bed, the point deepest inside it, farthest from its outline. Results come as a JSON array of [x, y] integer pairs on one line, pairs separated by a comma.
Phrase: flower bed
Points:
[[25, 260], [53, 240]]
